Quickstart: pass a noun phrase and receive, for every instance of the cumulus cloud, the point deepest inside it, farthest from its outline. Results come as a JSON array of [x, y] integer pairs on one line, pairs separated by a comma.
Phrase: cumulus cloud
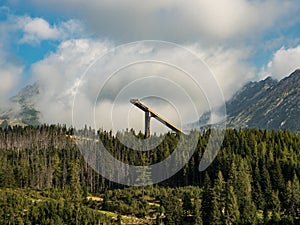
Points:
[[229, 66], [205, 20], [32, 30], [10, 69], [283, 63], [10, 76], [60, 73], [38, 29], [219, 29]]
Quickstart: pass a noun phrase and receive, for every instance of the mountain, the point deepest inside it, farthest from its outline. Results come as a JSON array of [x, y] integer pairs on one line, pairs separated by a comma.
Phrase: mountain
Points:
[[267, 104], [21, 109]]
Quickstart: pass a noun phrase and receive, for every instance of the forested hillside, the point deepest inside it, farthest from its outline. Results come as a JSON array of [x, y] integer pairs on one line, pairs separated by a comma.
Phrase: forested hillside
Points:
[[253, 180]]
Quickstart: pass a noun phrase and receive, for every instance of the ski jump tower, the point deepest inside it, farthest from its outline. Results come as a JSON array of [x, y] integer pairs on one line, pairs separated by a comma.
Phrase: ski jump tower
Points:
[[150, 113]]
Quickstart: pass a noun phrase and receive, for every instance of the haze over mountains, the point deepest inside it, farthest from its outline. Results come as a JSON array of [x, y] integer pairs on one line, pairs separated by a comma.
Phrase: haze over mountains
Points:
[[265, 104], [21, 109]]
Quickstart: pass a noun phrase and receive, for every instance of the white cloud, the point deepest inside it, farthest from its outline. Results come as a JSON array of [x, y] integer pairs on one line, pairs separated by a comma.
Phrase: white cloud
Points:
[[32, 30], [176, 20], [24, 29], [10, 76], [283, 63], [37, 29], [60, 72], [219, 28], [58, 75], [71, 29], [229, 66], [10, 69]]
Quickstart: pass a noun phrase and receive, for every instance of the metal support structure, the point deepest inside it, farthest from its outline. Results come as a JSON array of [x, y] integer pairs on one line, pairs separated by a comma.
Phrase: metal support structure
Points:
[[150, 113], [147, 124]]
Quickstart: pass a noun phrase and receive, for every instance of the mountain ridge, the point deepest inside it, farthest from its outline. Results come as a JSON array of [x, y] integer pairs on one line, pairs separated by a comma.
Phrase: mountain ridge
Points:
[[267, 104]]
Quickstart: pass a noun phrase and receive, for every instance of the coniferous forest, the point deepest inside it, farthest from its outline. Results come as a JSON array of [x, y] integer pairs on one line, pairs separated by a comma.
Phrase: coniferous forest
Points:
[[44, 179]]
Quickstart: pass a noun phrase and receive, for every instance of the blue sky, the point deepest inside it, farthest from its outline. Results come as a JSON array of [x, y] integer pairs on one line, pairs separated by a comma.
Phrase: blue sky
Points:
[[240, 40]]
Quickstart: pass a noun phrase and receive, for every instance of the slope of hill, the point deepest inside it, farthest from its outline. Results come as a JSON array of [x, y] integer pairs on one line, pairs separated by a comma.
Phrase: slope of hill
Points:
[[44, 179], [267, 104]]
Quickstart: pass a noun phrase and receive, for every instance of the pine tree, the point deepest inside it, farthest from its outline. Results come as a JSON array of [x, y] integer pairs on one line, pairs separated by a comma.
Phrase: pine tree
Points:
[[173, 209], [266, 186], [212, 203], [75, 185], [206, 199], [197, 212], [232, 213], [257, 194], [220, 190], [288, 199], [144, 173], [215, 215], [275, 207], [243, 191], [295, 196]]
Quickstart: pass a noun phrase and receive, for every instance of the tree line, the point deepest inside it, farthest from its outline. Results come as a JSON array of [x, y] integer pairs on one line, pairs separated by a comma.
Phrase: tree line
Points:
[[253, 180]]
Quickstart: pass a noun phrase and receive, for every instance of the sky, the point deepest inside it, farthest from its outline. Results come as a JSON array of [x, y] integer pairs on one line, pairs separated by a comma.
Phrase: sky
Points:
[[54, 42]]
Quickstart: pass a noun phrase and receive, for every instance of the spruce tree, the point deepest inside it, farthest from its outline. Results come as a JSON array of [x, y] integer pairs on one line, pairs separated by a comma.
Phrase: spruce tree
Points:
[[232, 213], [197, 212], [296, 196], [206, 199], [173, 209]]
